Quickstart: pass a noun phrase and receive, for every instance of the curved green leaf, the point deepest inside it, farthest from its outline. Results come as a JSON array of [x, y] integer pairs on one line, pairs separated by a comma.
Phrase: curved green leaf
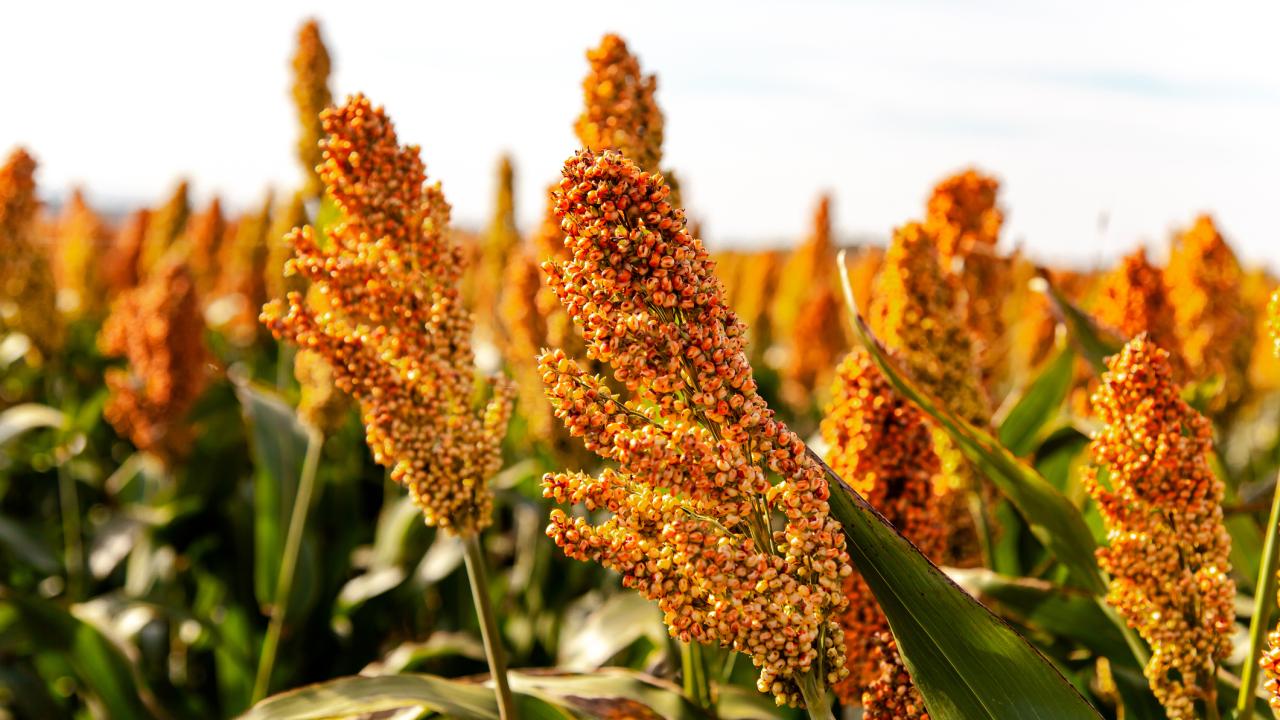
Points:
[[967, 663], [29, 416], [98, 664], [1039, 404], [350, 696], [539, 696], [1094, 342], [278, 445], [608, 693], [1051, 517], [621, 620]]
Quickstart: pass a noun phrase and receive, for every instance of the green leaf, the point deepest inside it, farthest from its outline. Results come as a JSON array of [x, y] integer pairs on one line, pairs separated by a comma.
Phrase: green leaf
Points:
[[1051, 517], [98, 664], [29, 416], [278, 445], [1039, 404], [608, 693], [1094, 342], [621, 620], [1062, 612], [547, 695], [967, 663], [349, 696]]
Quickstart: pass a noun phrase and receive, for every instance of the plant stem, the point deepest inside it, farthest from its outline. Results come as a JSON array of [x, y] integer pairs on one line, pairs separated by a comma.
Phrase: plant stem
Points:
[[815, 697], [1211, 702], [284, 366], [1264, 598], [73, 548], [288, 564], [697, 686], [488, 625]]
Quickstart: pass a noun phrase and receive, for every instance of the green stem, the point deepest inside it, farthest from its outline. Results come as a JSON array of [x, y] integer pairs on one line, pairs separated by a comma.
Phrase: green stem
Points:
[[816, 703], [288, 564], [1211, 701], [73, 547], [488, 626], [981, 513], [1264, 598], [697, 686]]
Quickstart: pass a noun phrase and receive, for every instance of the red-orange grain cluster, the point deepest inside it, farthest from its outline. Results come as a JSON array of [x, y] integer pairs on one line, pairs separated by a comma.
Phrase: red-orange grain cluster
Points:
[[392, 327], [620, 112], [28, 294], [1212, 318], [703, 468], [891, 696], [1132, 300], [157, 328], [964, 220], [1168, 549]]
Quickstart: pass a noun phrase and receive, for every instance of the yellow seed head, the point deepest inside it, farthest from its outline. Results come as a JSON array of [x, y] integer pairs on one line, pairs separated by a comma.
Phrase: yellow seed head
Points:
[[393, 329], [691, 503], [1168, 549]]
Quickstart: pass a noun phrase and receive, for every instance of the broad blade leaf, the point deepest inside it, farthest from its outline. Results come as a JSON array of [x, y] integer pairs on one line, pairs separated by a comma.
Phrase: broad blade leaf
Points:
[[551, 696], [1095, 343], [967, 663], [98, 664], [621, 620], [608, 693], [278, 445], [1039, 405], [350, 696]]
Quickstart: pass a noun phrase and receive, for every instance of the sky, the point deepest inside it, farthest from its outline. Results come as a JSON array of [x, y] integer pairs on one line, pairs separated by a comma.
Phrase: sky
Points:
[[1109, 124]]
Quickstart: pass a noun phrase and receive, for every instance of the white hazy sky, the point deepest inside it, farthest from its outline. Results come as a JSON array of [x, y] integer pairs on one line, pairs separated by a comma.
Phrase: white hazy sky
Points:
[[1147, 112]]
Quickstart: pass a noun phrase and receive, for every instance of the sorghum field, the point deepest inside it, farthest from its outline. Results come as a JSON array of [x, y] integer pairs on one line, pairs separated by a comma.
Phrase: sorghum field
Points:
[[341, 457]]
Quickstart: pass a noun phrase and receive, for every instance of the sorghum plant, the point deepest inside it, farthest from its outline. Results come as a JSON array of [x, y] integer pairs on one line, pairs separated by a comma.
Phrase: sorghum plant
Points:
[[619, 111], [1132, 300], [205, 235], [284, 218], [704, 469], [1167, 551], [81, 238], [880, 444], [244, 279], [393, 330], [915, 312], [396, 336], [817, 333], [500, 243], [164, 228], [311, 97], [964, 220], [1204, 283], [808, 269], [158, 329], [28, 295], [122, 269]]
